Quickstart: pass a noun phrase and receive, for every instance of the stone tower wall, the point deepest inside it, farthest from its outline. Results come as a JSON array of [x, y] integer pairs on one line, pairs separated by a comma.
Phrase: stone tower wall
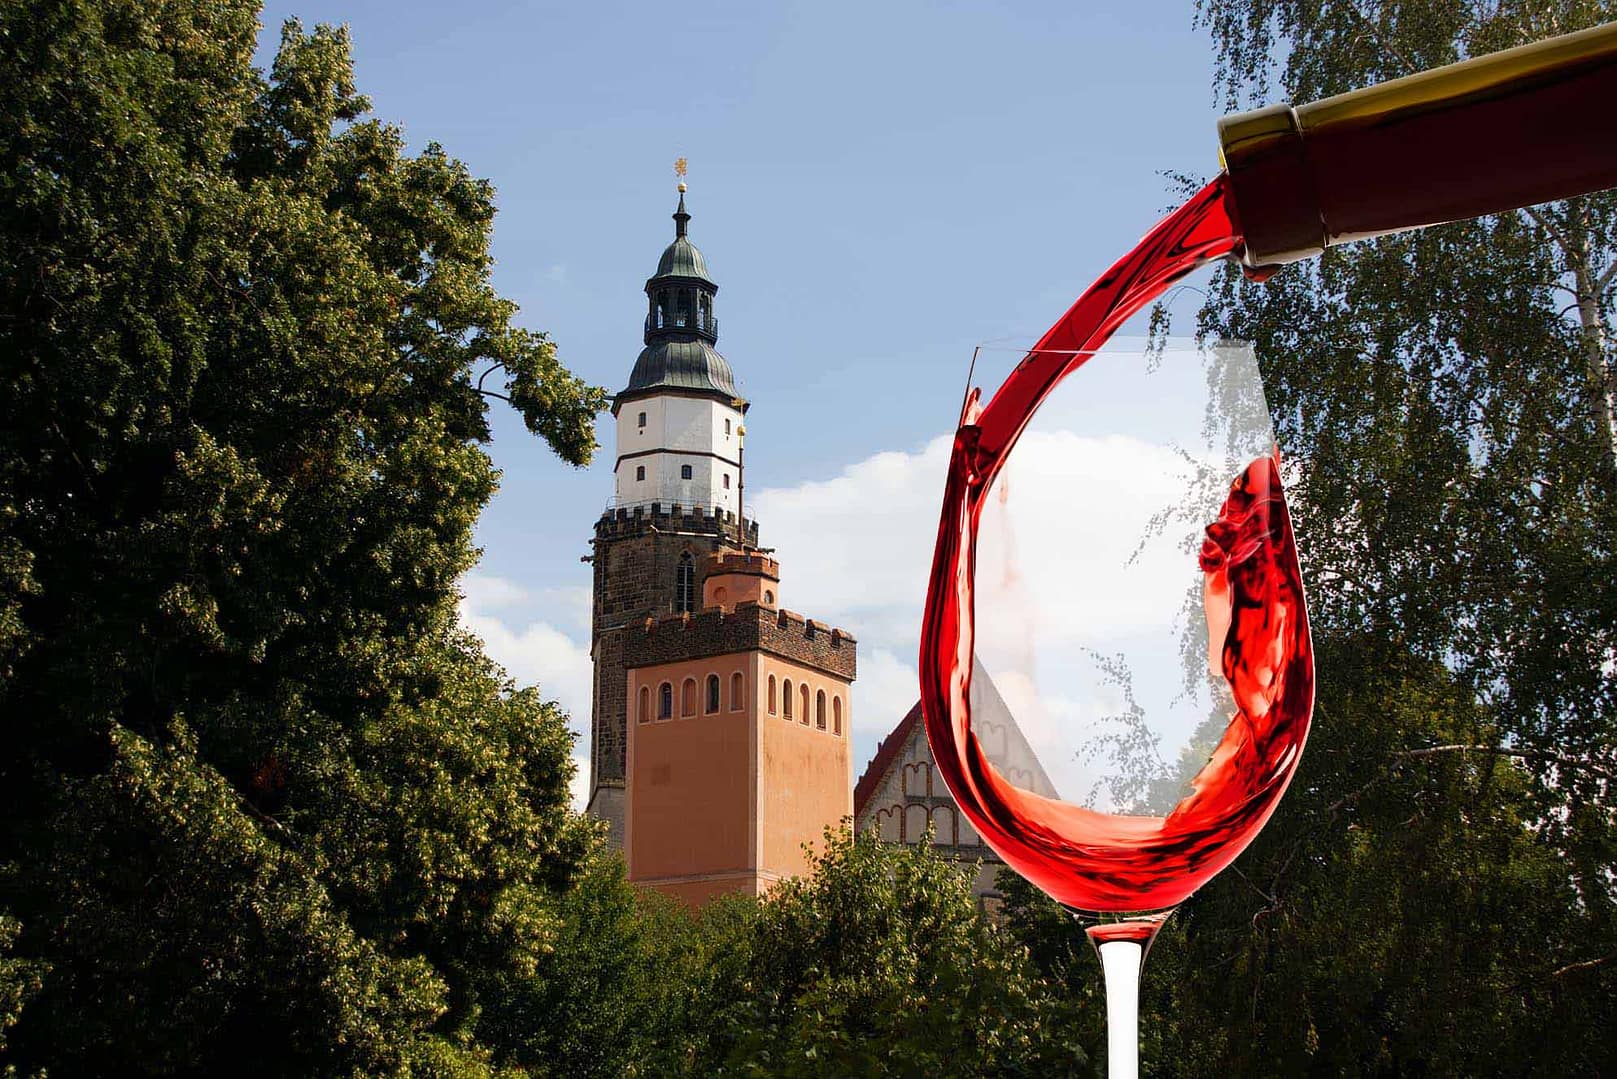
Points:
[[637, 554]]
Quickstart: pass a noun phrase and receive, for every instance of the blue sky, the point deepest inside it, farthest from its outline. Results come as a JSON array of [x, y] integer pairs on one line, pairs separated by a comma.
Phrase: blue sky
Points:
[[877, 188]]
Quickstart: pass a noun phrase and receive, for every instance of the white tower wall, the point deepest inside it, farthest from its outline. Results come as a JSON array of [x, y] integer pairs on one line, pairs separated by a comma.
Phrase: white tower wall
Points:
[[700, 433]]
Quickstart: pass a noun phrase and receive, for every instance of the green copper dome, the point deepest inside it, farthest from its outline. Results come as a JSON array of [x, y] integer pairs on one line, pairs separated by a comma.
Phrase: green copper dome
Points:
[[694, 366], [682, 259]]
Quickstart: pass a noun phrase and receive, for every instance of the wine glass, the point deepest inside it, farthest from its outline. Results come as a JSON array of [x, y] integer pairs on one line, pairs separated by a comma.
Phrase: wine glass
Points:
[[1116, 668]]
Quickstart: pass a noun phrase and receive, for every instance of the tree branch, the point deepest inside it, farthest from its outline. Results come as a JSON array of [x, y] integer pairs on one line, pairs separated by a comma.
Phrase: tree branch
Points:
[[1548, 226], [485, 374], [1605, 279], [1386, 46], [1587, 964]]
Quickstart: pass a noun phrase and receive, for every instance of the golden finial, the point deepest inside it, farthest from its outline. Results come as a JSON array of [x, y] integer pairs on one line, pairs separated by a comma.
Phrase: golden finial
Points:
[[679, 170]]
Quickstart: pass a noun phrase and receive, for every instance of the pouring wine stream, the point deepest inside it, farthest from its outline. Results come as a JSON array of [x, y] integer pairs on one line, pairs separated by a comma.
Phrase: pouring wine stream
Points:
[[1484, 136]]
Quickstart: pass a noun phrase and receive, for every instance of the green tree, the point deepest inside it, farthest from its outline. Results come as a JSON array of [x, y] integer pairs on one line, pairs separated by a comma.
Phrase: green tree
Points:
[[879, 963], [629, 985], [265, 809], [1435, 893]]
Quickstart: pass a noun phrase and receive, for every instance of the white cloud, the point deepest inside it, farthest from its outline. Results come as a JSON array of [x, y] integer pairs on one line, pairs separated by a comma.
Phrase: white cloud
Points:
[[485, 592], [579, 790], [856, 548], [886, 690], [537, 652], [1069, 566]]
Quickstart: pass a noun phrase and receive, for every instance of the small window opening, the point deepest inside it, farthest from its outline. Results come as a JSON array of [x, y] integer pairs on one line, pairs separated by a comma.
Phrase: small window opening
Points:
[[787, 698], [642, 421], [687, 697], [685, 584], [819, 709], [836, 716], [640, 472], [727, 481], [737, 688], [644, 712], [665, 700], [712, 693], [771, 694], [684, 472], [804, 717]]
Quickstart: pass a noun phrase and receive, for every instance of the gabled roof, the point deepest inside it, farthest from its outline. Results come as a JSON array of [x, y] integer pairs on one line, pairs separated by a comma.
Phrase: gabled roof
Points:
[[882, 762], [990, 714]]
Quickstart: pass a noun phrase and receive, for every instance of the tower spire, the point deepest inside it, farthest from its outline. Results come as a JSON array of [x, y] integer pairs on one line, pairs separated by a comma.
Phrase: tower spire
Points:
[[681, 218]]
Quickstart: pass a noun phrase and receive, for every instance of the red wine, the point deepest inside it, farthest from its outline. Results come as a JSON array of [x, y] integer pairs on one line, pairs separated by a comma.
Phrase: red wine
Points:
[[1084, 859]]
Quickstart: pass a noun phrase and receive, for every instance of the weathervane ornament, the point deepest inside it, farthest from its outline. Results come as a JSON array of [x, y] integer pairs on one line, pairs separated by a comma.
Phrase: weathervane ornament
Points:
[[679, 170]]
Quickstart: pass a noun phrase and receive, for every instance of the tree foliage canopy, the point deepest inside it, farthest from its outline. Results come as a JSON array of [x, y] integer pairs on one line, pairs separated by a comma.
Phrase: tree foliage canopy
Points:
[[266, 809]]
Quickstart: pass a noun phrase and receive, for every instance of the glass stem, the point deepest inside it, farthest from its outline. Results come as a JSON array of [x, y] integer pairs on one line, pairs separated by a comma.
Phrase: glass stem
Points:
[[1121, 946], [1121, 960]]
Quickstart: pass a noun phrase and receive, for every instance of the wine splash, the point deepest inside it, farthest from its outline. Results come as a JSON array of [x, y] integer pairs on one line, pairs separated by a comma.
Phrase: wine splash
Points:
[[1085, 859]]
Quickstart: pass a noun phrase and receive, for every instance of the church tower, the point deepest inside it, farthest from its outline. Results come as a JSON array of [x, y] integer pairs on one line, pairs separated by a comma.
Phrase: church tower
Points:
[[721, 722]]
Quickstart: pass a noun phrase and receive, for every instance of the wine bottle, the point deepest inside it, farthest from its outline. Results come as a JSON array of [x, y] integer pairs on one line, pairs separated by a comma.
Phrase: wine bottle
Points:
[[1510, 129]]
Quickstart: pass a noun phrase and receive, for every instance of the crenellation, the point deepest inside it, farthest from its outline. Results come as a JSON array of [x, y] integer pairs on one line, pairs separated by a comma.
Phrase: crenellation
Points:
[[626, 521], [744, 562], [747, 627]]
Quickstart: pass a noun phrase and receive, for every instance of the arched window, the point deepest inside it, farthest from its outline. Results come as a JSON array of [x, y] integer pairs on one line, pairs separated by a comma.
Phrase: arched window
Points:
[[737, 689], [887, 820], [665, 701], [642, 422], [968, 834], [803, 690], [682, 308], [685, 584], [687, 698], [771, 694], [639, 472], [819, 709], [769, 597], [836, 716], [787, 696], [712, 693], [644, 711], [917, 779], [915, 822], [665, 311]]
